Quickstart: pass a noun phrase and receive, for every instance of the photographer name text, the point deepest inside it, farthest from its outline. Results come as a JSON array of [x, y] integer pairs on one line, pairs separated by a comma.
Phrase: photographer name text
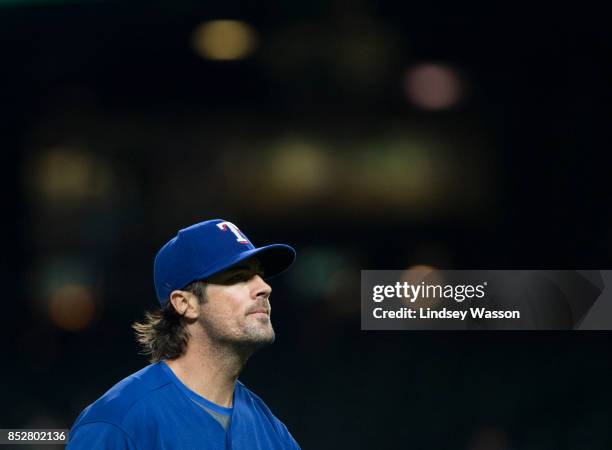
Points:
[[445, 313]]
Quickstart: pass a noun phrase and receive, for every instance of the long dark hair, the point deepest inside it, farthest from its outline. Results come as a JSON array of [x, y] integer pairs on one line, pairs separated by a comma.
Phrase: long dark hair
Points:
[[163, 334]]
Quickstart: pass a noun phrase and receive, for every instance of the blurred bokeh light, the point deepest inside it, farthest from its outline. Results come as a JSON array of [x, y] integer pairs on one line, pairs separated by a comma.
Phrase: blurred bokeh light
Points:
[[417, 274], [315, 270], [71, 307], [433, 86], [489, 438], [224, 39], [69, 175], [299, 168]]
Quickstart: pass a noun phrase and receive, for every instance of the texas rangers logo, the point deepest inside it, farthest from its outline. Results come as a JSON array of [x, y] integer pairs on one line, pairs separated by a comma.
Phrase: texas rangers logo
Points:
[[224, 226]]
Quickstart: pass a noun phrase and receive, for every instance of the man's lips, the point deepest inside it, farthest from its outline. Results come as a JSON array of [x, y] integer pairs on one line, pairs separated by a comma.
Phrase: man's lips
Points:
[[259, 310]]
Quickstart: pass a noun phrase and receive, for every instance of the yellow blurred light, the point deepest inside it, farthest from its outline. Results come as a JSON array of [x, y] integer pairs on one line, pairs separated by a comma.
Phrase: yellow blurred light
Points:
[[224, 39], [70, 173], [71, 307], [299, 168], [399, 172]]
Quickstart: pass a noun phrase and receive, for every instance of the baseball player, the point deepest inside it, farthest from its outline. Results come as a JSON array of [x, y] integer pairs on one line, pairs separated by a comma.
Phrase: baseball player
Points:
[[215, 312]]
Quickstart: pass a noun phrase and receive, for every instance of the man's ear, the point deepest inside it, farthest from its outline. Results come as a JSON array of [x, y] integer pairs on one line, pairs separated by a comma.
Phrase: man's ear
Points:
[[185, 304]]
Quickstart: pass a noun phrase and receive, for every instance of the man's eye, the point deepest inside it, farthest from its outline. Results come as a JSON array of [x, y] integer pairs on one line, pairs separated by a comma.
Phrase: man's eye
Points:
[[236, 278], [242, 277]]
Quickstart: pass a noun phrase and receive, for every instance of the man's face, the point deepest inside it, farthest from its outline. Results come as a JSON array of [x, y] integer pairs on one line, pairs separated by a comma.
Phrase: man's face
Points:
[[237, 308]]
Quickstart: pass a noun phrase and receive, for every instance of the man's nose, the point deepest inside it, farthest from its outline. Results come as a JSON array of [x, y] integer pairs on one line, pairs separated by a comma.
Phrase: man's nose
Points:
[[260, 287]]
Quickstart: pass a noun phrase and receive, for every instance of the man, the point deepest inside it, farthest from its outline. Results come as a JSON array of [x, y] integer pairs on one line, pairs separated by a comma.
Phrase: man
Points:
[[215, 312]]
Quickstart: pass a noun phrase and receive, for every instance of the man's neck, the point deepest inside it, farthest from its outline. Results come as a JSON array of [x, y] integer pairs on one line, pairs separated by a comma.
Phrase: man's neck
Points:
[[210, 372]]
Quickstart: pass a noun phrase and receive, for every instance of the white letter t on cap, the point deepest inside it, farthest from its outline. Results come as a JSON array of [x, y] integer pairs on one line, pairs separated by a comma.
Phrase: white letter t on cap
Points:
[[234, 229]]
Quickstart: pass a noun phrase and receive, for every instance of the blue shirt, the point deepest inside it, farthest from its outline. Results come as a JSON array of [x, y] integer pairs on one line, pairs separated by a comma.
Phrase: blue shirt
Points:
[[153, 409]]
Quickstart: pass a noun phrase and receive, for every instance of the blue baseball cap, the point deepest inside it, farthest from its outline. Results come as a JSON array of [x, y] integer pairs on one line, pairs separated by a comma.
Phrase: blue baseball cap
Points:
[[207, 248]]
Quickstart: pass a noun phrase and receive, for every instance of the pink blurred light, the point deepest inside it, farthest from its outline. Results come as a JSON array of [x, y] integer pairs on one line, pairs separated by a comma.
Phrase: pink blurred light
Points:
[[433, 86]]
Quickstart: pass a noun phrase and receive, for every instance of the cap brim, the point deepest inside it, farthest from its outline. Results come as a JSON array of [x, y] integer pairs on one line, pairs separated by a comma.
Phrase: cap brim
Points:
[[274, 258]]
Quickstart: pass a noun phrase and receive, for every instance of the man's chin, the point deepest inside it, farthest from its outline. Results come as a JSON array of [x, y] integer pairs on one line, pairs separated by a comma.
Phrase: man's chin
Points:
[[260, 338], [255, 335]]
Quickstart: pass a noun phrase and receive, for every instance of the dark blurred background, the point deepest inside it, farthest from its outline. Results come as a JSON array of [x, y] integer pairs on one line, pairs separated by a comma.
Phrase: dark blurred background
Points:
[[369, 136]]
